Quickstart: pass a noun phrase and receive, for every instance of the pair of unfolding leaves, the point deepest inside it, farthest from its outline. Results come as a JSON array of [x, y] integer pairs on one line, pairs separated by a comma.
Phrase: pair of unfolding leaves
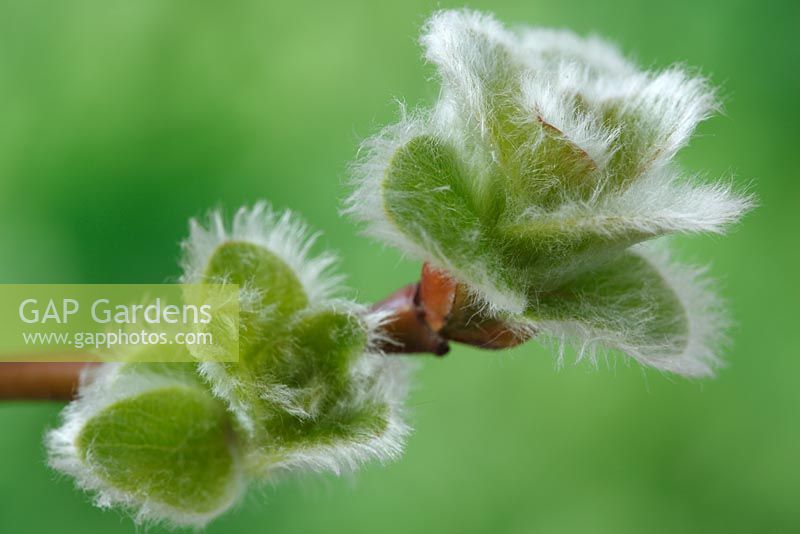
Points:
[[159, 440]]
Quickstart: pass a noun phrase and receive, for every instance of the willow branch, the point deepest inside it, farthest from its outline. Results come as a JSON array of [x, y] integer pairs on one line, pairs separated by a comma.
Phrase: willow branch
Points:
[[422, 318], [39, 381]]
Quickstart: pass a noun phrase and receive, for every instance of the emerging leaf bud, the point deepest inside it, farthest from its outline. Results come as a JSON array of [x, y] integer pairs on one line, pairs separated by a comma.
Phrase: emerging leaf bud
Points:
[[546, 158]]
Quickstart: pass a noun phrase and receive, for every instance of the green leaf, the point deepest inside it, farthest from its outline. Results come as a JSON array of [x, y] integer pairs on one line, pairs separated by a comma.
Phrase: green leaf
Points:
[[551, 169], [637, 143], [271, 293], [256, 267], [154, 438], [167, 445], [430, 198], [628, 304], [309, 395], [448, 214], [548, 250], [271, 290], [326, 344]]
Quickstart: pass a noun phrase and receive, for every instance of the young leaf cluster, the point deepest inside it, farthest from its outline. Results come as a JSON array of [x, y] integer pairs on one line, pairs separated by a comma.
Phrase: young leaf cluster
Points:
[[545, 160], [181, 442]]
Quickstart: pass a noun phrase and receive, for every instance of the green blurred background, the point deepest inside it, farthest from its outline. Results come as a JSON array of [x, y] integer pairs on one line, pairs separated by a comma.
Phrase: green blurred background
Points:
[[120, 120]]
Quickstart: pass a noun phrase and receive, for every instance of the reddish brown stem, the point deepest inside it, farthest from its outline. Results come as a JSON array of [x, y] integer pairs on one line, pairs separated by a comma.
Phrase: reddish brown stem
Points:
[[421, 318], [39, 381], [426, 316], [406, 328]]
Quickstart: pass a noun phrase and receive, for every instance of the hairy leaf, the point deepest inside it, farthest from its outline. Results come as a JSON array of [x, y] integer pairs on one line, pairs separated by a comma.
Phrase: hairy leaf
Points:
[[638, 304], [153, 438]]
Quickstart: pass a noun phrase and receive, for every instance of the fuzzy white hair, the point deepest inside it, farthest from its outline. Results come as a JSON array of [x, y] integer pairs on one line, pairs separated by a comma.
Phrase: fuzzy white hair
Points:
[[705, 316], [543, 47], [552, 95], [285, 235], [478, 59], [661, 202], [100, 388]]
